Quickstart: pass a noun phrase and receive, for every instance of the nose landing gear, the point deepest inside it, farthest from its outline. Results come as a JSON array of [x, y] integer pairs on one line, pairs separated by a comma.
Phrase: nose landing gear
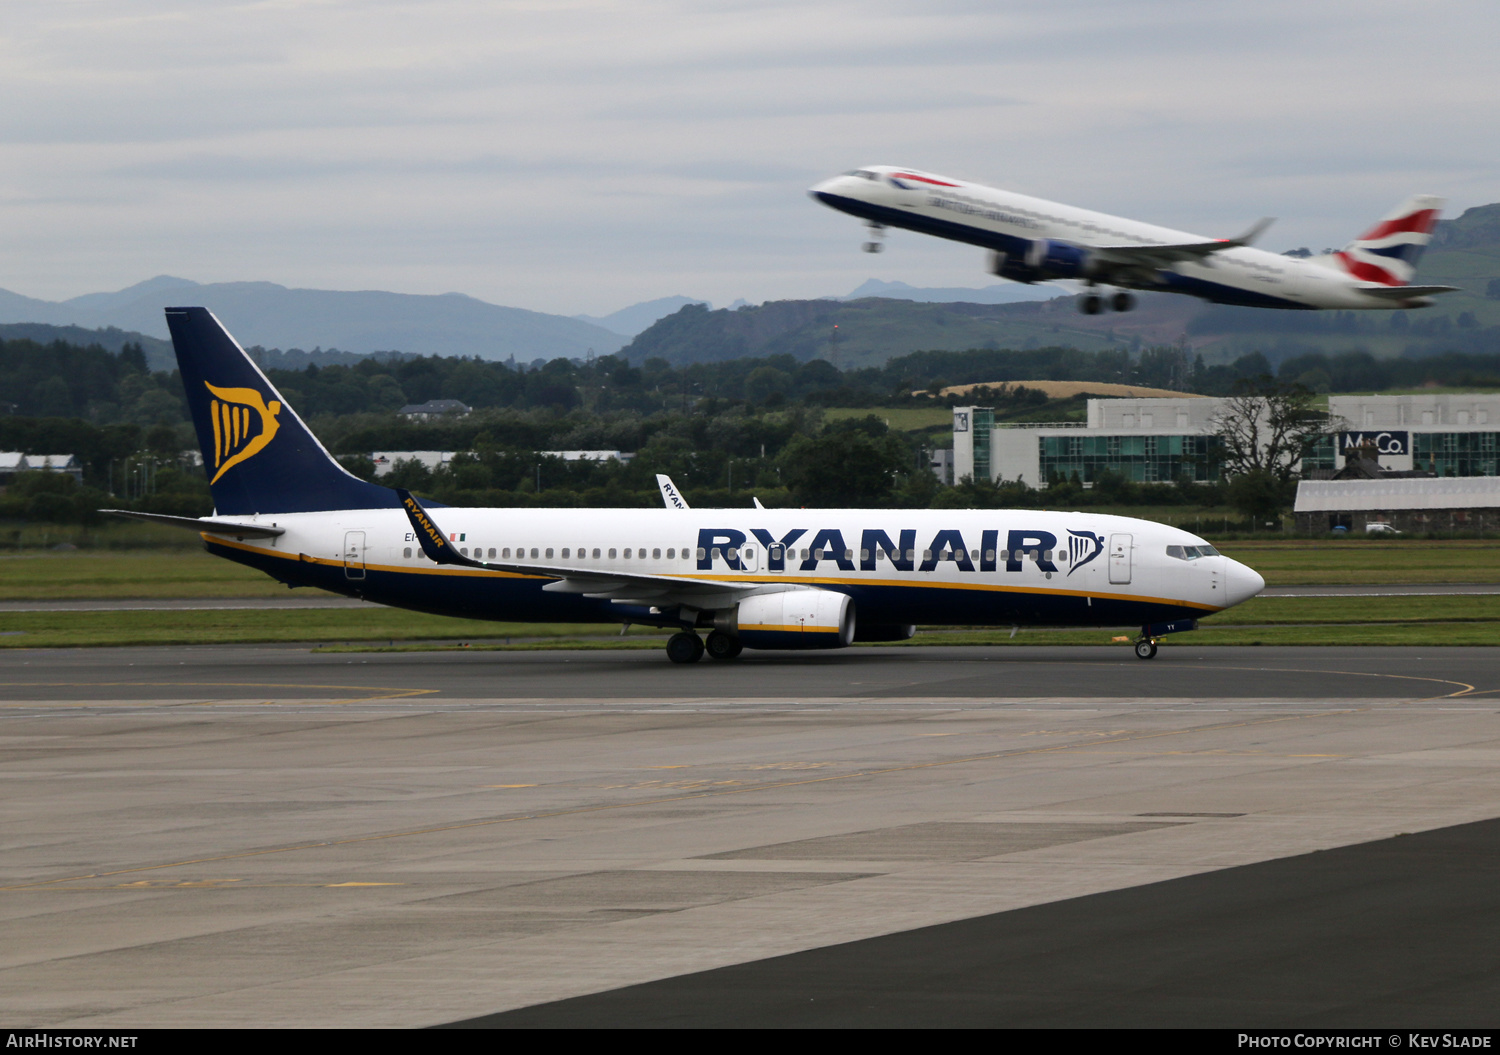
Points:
[[877, 232]]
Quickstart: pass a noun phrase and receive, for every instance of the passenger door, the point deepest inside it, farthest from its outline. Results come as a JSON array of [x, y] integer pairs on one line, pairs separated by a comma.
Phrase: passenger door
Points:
[[1119, 559], [354, 554]]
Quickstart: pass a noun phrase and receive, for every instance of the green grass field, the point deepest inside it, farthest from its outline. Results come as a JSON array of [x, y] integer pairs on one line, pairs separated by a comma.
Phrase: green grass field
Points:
[[148, 574], [1333, 561], [904, 419], [139, 574]]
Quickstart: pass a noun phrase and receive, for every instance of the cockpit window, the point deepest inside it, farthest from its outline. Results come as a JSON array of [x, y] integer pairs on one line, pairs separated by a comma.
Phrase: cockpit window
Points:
[[1191, 552], [862, 174]]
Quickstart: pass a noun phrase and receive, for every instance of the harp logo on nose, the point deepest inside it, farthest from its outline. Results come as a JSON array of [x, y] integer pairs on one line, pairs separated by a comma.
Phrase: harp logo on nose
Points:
[[243, 424]]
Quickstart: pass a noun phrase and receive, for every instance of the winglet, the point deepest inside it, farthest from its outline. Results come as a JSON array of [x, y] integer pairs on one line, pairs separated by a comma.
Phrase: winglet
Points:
[[1255, 230], [757, 502], [429, 535], [670, 496]]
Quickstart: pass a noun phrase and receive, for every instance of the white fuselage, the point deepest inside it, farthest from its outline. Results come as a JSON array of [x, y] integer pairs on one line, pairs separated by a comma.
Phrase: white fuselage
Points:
[[1007, 222], [970, 567]]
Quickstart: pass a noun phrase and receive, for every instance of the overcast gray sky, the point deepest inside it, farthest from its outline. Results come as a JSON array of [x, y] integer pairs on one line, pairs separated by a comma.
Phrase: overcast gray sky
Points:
[[580, 155]]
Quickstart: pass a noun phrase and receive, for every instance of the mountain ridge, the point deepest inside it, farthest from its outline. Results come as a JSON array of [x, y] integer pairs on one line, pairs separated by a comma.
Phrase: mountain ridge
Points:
[[364, 321]]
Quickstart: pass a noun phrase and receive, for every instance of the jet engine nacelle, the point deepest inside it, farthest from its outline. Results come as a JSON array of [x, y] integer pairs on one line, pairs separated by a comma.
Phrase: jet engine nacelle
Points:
[[1013, 267], [1043, 260], [794, 619], [1053, 259]]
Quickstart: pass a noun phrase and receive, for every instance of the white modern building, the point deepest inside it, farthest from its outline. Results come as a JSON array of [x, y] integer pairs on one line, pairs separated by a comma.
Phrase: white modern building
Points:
[[1165, 439], [1150, 440]]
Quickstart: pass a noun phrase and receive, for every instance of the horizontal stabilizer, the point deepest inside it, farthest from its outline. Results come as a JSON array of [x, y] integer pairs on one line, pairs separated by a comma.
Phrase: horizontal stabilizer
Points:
[[217, 527], [1405, 292]]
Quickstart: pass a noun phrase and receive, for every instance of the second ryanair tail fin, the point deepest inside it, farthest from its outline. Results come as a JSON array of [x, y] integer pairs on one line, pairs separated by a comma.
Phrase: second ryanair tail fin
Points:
[[259, 456]]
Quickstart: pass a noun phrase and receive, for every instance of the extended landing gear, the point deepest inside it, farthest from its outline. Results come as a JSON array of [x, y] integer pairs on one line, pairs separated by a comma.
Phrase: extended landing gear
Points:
[[1145, 648], [684, 648], [722, 647], [877, 232], [1122, 301]]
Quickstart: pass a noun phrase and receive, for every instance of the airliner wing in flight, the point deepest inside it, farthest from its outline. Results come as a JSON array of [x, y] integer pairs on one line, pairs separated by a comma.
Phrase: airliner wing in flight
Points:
[[1158, 256]]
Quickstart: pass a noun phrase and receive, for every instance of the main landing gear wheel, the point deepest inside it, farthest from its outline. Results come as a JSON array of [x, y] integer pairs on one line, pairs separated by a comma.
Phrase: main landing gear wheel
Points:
[[684, 648], [1090, 304], [1145, 648], [721, 646], [1122, 301], [873, 247]]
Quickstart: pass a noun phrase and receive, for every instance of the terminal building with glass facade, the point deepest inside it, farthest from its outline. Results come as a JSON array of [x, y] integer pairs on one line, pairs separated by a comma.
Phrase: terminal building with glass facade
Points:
[[1159, 440]]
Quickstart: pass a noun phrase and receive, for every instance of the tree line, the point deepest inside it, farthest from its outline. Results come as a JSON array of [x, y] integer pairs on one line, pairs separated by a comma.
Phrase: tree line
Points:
[[724, 431]]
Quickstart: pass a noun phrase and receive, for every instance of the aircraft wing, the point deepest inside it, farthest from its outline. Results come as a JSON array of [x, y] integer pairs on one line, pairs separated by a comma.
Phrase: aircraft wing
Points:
[[633, 587], [1157, 256], [1405, 292]]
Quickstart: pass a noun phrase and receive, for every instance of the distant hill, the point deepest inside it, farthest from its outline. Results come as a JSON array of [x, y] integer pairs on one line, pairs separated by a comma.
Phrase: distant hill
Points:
[[1000, 293], [159, 354], [367, 321], [859, 333], [1478, 227], [632, 320]]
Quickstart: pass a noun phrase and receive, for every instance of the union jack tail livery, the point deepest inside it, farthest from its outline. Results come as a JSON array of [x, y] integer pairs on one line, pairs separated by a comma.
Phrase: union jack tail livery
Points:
[[1388, 252]]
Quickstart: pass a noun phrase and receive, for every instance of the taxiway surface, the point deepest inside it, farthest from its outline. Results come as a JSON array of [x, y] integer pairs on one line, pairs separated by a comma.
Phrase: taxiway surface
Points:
[[258, 835], [1181, 672]]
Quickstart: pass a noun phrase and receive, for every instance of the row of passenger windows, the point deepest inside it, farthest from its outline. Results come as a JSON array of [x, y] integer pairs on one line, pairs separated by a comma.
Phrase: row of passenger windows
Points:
[[549, 553], [775, 553]]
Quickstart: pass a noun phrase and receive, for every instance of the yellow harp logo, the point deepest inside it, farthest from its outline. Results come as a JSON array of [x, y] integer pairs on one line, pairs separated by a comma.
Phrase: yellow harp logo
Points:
[[235, 437]]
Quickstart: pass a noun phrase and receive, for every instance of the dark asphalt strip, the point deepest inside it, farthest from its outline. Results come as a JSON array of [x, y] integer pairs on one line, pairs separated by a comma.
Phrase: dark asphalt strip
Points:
[[1401, 932]]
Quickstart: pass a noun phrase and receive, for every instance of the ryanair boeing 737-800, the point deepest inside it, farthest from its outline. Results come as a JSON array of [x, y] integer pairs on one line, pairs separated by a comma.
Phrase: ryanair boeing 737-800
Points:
[[1032, 240], [753, 578]]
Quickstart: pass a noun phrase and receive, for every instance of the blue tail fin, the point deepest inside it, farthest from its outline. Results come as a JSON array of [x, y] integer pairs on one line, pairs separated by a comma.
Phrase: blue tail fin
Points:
[[259, 456]]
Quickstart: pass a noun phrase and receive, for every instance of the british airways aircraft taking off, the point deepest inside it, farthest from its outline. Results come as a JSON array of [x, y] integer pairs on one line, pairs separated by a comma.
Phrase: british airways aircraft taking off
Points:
[[1031, 240], [753, 578]]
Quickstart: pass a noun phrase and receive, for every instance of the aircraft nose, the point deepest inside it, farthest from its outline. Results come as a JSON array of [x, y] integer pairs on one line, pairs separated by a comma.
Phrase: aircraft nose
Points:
[[824, 190], [1240, 582]]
